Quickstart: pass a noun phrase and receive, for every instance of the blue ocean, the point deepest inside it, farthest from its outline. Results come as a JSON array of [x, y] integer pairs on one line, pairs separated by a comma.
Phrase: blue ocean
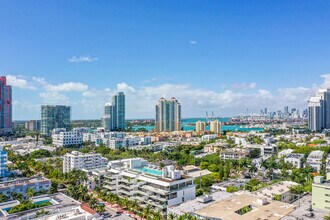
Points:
[[189, 125]]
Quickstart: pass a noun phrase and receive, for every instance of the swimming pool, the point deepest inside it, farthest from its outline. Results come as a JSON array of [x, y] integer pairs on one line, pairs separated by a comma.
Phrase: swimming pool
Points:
[[150, 171], [42, 201]]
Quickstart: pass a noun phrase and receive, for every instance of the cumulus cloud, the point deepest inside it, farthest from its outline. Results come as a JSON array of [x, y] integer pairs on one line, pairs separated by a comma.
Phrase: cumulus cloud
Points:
[[252, 85], [79, 59], [62, 87], [125, 87], [21, 83], [326, 82], [140, 100], [193, 42], [53, 98]]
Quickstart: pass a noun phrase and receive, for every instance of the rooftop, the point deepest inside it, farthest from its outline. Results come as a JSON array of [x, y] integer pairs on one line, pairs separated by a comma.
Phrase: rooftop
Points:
[[275, 189], [226, 209], [295, 156], [23, 181], [316, 153]]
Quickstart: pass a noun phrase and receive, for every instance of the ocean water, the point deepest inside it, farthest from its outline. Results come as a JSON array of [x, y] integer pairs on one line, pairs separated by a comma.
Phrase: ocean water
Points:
[[189, 125]]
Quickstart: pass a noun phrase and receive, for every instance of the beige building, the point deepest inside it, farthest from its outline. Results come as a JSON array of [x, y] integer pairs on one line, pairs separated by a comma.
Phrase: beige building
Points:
[[215, 127], [247, 207], [321, 192], [200, 126]]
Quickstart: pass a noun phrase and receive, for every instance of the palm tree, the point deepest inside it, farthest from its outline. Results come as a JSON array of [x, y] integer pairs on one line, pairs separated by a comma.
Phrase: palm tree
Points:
[[171, 216], [17, 196], [252, 169], [156, 216], [93, 203], [146, 211], [30, 192]]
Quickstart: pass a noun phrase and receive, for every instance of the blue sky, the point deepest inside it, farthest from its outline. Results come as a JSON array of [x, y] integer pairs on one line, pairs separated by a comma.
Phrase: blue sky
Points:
[[224, 56]]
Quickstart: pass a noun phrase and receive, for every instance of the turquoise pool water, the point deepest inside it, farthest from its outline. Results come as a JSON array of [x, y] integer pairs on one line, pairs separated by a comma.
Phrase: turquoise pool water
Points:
[[38, 203], [41, 202], [150, 171]]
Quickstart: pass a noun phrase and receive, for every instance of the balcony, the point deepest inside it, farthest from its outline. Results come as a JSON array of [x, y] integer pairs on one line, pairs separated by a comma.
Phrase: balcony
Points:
[[156, 190], [109, 187]]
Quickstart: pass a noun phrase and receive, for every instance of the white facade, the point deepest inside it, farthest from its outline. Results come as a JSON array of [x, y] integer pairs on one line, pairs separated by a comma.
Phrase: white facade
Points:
[[209, 137], [281, 189], [22, 185], [314, 159], [161, 188], [79, 161], [284, 153], [295, 160], [233, 154], [67, 138]]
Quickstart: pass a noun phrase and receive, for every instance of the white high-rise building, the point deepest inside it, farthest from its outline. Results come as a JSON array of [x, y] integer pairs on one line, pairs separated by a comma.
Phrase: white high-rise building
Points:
[[200, 126], [215, 127], [319, 111], [77, 160], [168, 115]]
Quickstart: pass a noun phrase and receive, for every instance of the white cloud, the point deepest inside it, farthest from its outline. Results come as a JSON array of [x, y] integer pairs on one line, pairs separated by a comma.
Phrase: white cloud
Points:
[[124, 87], [21, 83], [140, 101], [150, 80], [54, 98], [87, 59], [193, 42], [252, 85], [62, 87]]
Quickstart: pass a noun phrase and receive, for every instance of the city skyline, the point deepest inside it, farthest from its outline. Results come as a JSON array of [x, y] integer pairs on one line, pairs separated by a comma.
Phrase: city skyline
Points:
[[211, 56]]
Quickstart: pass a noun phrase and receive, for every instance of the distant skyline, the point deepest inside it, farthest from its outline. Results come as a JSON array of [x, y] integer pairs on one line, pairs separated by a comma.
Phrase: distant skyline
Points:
[[220, 56]]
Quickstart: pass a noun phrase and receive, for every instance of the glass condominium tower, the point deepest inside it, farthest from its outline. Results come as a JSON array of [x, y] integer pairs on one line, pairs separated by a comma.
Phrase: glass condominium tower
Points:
[[319, 111], [114, 113], [168, 115], [6, 125], [55, 116]]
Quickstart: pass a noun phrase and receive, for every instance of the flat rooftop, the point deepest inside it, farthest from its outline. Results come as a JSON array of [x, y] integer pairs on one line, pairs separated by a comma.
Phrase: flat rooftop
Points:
[[226, 209], [23, 181], [275, 189]]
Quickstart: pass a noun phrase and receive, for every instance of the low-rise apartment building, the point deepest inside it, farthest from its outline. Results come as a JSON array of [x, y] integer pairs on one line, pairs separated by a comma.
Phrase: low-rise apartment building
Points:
[[284, 153], [62, 138], [314, 159], [295, 159], [233, 153], [279, 191], [161, 188], [77, 160], [23, 184], [321, 193]]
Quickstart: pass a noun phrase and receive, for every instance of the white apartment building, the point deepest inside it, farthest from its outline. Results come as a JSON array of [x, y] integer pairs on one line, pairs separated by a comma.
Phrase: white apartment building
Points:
[[23, 184], [67, 138], [209, 137], [295, 160], [284, 153], [281, 189], [314, 159], [161, 188], [327, 163], [233, 153], [79, 161]]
